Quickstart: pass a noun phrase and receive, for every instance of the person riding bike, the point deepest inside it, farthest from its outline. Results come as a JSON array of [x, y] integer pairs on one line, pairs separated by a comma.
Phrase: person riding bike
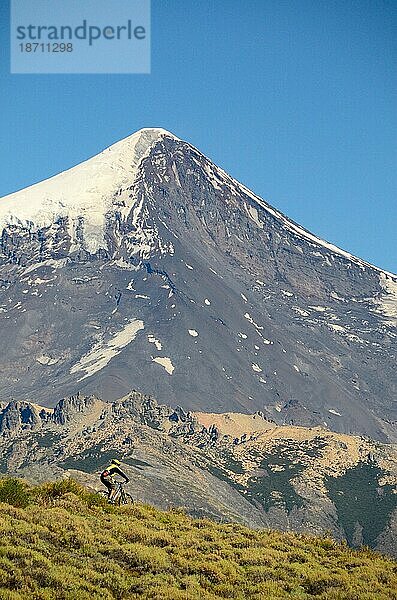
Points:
[[107, 477]]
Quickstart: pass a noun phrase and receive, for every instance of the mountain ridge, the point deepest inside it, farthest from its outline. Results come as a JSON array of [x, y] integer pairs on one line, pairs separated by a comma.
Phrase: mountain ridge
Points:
[[258, 473], [151, 136], [202, 297]]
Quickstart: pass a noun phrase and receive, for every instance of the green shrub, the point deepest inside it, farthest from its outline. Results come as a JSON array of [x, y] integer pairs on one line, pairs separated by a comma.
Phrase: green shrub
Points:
[[15, 492], [57, 489]]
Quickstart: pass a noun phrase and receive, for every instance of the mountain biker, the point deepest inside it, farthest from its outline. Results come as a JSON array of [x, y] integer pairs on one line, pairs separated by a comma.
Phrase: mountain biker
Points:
[[107, 477]]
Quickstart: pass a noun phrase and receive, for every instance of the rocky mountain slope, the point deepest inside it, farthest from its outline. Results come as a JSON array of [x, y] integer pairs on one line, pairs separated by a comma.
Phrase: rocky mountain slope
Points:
[[148, 267], [229, 467]]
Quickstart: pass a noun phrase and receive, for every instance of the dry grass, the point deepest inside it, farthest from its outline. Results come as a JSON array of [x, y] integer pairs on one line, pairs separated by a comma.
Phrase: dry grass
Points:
[[58, 541]]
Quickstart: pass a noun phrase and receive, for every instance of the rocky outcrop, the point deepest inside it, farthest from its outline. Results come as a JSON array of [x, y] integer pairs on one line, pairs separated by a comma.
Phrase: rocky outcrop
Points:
[[68, 409], [143, 408], [17, 416]]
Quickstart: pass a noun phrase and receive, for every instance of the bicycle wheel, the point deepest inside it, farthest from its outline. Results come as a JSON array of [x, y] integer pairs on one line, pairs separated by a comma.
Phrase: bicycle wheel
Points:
[[125, 498], [129, 499]]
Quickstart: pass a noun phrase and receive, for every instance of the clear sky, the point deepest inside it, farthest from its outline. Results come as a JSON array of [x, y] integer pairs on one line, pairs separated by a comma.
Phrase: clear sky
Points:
[[295, 98]]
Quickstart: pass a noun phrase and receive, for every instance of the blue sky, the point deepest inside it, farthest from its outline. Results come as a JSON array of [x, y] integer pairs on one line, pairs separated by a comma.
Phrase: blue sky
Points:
[[296, 99]]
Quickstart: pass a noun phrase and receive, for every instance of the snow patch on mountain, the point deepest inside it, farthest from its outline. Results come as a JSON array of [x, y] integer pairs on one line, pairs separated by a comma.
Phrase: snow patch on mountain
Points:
[[39, 281], [300, 311], [155, 341], [387, 302], [334, 412], [165, 362], [253, 215], [336, 327], [51, 262], [103, 352], [47, 360]]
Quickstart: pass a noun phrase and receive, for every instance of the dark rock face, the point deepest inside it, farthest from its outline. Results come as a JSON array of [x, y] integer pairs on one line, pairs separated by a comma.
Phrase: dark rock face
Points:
[[204, 297], [17, 416]]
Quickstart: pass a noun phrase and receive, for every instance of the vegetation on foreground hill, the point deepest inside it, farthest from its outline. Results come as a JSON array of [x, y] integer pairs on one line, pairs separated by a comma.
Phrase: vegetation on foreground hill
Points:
[[58, 541]]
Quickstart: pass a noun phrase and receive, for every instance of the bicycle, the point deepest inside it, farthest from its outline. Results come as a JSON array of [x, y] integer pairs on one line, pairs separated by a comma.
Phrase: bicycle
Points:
[[120, 496]]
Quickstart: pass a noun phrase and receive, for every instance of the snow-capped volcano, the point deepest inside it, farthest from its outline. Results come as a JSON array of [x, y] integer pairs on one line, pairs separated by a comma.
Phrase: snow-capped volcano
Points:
[[85, 195], [149, 267]]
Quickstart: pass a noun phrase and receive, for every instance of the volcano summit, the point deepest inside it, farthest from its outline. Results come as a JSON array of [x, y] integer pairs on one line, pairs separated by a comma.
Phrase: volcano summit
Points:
[[149, 267]]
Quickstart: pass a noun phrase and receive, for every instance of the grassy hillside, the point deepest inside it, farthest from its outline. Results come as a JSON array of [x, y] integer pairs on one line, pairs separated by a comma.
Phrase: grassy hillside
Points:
[[58, 541]]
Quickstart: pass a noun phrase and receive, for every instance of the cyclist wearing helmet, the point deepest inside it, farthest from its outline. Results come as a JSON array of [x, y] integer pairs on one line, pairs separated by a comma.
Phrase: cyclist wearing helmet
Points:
[[108, 474]]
